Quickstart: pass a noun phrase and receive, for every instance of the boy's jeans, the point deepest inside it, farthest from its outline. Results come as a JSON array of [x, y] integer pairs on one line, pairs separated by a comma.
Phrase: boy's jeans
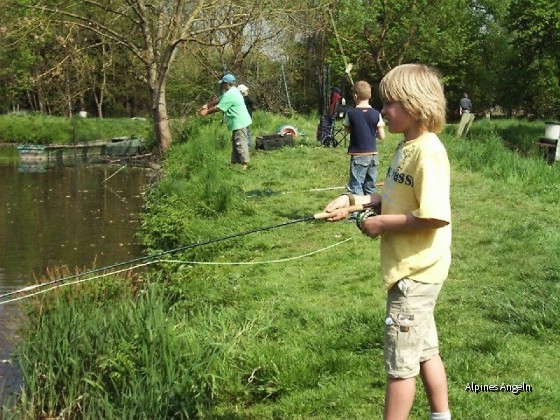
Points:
[[363, 173]]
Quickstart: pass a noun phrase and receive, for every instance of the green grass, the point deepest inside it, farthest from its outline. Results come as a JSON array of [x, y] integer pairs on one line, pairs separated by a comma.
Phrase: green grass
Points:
[[286, 337], [44, 129]]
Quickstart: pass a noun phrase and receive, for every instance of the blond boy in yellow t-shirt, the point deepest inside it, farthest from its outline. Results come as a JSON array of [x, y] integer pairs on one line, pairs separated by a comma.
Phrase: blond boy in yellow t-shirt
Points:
[[415, 230]]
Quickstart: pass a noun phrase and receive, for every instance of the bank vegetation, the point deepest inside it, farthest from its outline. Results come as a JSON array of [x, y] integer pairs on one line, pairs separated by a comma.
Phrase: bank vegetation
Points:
[[288, 322]]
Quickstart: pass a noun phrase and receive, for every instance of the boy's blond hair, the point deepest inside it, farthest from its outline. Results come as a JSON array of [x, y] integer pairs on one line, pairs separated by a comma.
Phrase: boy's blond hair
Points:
[[419, 90], [362, 90]]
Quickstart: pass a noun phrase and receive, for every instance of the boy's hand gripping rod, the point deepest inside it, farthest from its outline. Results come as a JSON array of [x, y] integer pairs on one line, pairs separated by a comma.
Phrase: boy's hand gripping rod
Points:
[[349, 209]]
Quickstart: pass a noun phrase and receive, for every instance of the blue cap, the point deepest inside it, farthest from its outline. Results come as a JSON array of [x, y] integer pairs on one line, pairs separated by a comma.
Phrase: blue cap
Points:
[[227, 78]]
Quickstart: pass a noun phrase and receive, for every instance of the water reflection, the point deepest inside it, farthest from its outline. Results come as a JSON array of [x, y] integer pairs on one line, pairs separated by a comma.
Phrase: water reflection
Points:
[[75, 217], [71, 216]]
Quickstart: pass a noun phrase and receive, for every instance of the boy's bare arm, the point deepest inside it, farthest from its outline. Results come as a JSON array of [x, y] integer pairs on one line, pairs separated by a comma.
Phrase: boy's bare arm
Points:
[[378, 225]]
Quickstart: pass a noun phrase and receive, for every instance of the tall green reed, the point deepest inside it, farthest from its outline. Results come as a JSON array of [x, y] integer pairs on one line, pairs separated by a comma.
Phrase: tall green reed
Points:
[[488, 154], [93, 358]]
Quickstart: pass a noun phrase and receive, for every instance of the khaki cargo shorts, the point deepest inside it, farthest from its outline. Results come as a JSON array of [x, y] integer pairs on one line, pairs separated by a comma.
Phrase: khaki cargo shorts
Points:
[[410, 330]]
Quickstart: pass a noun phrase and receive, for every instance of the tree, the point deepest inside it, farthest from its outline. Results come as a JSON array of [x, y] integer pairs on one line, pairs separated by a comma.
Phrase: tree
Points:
[[535, 36], [15, 64], [153, 31], [384, 34], [461, 38]]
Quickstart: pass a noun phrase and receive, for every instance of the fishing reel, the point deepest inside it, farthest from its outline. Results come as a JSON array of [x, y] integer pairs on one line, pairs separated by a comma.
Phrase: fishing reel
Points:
[[364, 215]]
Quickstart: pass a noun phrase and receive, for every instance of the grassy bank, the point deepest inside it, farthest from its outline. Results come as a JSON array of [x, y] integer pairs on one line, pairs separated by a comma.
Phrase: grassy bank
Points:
[[44, 129], [288, 322]]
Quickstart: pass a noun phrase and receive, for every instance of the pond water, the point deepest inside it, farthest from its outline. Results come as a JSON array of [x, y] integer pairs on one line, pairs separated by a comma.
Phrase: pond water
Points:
[[68, 217]]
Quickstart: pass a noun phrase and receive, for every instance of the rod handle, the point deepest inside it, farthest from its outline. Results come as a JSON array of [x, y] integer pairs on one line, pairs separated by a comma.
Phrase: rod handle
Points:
[[349, 209]]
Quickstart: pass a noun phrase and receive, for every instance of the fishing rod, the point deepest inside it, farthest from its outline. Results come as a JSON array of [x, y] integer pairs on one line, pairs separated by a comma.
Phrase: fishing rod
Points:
[[317, 216], [377, 184], [134, 267]]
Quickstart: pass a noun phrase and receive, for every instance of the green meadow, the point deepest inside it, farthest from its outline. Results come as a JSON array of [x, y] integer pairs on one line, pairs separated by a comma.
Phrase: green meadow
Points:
[[35, 128], [285, 321]]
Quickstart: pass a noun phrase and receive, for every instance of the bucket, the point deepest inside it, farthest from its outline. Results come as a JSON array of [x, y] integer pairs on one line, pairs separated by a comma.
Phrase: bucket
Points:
[[552, 130], [291, 130], [82, 114]]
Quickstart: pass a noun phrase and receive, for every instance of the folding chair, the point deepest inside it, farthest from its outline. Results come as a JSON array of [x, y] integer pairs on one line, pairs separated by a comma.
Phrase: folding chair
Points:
[[340, 133], [325, 131], [328, 134]]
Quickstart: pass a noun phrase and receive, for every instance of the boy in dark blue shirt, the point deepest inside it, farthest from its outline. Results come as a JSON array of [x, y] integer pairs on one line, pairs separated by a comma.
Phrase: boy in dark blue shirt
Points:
[[365, 125]]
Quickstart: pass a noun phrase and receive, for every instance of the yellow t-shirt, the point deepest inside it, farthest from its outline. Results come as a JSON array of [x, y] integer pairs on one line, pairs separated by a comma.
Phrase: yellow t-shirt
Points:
[[418, 182]]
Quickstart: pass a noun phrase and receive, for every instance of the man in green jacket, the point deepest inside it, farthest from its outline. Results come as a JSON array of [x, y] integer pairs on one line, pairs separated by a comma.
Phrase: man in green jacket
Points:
[[232, 104]]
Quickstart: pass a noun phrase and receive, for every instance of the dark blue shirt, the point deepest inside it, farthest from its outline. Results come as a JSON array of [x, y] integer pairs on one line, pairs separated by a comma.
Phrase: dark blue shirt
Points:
[[363, 130]]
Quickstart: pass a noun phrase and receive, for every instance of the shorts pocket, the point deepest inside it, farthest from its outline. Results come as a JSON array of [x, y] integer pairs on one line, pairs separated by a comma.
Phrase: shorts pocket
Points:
[[404, 339]]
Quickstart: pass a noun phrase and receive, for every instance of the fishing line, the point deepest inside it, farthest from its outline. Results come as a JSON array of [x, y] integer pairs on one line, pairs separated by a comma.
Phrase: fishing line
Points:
[[316, 216], [377, 184], [316, 190], [40, 292], [293, 192], [120, 169], [70, 283], [157, 255], [297, 257]]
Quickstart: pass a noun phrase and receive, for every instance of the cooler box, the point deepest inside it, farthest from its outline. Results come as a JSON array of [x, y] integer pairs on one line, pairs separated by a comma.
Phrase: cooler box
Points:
[[274, 141]]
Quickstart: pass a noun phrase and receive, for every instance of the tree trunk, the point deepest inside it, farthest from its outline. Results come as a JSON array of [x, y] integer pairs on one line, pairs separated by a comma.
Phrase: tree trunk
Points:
[[162, 130], [68, 96], [107, 62]]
